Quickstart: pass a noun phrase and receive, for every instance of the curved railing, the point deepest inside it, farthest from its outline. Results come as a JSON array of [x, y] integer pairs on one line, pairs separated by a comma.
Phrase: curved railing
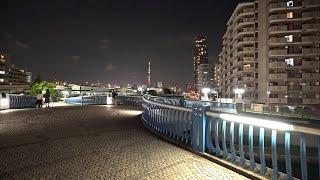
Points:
[[269, 148], [88, 100], [18, 101], [129, 100]]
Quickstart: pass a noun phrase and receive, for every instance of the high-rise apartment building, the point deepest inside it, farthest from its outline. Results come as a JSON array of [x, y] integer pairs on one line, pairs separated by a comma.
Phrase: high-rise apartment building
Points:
[[271, 50], [205, 76], [200, 56]]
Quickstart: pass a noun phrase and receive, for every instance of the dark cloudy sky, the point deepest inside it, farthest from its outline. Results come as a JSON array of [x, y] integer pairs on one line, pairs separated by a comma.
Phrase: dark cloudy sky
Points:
[[89, 40]]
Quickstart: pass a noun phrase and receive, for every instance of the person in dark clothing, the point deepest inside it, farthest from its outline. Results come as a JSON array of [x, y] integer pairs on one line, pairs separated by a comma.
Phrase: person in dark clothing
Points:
[[114, 95], [47, 98]]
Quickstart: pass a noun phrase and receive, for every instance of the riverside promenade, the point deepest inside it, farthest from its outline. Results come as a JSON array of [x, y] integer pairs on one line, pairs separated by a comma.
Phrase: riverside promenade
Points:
[[93, 142]]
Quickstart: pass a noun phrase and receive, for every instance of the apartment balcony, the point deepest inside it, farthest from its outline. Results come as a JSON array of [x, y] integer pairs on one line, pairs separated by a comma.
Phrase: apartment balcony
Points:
[[277, 65], [311, 88], [311, 38], [312, 14], [310, 63], [248, 49], [311, 101], [309, 76], [248, 79], [309, 3], [283, 76], [278, 88], [248, 69], [278, 100], [277, 40], [251, 39], [279, 52], [248, 29], [247, 10], [310, 26], [248, 19], [278, 5], [274, 29], [311, 51], [248, 59], [277, 17]]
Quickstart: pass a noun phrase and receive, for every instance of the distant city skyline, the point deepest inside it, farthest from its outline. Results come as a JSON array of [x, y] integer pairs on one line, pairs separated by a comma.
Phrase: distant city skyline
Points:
[[79, 41]]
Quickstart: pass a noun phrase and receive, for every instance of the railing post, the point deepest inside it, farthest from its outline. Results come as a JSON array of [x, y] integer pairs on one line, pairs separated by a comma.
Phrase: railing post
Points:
[[241, 144], [288, 155], [303, 157], [274, 154], [202, 128], [262, 156], [209, 144], [224, 143], [252, 162], [194, 128], [216, 137], [233, 152]]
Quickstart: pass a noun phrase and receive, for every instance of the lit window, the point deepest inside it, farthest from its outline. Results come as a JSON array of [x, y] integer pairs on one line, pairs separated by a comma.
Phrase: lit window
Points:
[[1, 80], [2, 72], [289, 3], [289, 61], [289, 15], [289, 38]]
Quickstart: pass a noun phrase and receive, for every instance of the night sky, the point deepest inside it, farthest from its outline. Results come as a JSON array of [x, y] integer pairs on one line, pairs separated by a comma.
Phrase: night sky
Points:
[[92, 40]]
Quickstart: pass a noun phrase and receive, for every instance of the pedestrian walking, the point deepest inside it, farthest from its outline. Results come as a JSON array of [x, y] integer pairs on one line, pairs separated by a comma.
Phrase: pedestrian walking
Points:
[[39, 99], [47, 98], [114, 95]]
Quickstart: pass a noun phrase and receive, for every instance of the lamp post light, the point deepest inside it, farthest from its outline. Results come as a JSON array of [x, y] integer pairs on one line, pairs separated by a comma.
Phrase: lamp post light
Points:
[[239, 92], [205, 92]]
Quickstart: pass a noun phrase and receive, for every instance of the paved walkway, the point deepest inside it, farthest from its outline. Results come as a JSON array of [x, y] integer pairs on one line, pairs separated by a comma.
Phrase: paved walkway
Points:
[[93, 142]]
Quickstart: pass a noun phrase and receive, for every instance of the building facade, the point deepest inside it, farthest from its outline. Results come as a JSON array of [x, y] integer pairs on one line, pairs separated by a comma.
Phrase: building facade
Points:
[[205, 76], [200, 56], [271, 50], [12, 79]]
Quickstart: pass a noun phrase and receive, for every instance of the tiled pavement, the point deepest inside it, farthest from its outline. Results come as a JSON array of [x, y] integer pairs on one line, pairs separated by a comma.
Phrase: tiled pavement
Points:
[[93, 142]]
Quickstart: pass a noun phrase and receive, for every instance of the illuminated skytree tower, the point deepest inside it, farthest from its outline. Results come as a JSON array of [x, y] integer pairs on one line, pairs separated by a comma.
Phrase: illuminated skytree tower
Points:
[[149, 75]]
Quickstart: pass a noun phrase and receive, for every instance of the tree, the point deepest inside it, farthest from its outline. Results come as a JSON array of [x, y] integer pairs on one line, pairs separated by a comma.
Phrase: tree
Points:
[[40, 86], [152, 92]]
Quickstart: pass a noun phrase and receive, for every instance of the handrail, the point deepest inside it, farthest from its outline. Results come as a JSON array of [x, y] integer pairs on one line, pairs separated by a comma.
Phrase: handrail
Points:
[[168, 106], [264, 123], [232, 137]]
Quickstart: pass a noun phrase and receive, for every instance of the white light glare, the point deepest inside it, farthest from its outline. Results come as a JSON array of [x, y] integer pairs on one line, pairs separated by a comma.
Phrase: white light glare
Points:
[[257, 122], [205, 90], [239, 91]]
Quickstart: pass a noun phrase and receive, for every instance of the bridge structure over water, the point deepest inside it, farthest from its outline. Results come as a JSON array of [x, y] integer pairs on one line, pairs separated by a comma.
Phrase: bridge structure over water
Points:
[[154, 138]]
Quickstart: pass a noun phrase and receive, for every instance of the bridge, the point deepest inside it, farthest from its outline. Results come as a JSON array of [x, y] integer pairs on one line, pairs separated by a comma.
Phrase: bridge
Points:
[[153, 138]]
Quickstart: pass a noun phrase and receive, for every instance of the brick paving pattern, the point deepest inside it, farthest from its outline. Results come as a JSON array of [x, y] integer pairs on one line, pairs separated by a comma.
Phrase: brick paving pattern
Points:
[[93, 142]]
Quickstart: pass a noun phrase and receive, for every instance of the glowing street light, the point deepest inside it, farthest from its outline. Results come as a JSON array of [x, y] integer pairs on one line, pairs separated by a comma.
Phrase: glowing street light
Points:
[[239, 93], [205, 92]]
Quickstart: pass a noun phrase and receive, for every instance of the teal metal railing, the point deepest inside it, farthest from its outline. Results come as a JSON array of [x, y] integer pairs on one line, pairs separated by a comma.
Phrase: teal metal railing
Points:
[[267, 147]]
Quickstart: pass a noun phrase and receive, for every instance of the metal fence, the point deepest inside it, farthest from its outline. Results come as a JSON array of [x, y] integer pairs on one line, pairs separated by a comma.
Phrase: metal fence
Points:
[[19, 101], [270, 148], [129, 100], [87, 100]]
